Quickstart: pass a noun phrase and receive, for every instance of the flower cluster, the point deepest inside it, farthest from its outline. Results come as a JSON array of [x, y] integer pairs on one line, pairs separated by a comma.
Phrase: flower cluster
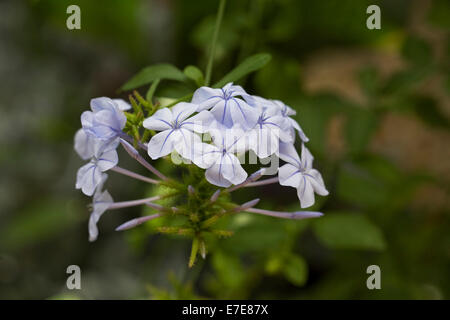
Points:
[[214, 132], [237, 122]]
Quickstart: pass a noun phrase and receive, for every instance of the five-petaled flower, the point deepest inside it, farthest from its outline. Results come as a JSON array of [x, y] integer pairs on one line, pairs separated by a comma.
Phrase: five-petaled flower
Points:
[[177, 132], [269, 130], [90, 175], [226, 106], [299, 173], [222, 166], [106, 120]]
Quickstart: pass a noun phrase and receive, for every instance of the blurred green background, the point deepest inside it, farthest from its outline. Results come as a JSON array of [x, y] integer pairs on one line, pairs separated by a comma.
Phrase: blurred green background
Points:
[[374, 103]]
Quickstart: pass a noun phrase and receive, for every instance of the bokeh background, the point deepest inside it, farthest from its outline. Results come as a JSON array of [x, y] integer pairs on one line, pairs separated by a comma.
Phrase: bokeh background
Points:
[[374, 103]]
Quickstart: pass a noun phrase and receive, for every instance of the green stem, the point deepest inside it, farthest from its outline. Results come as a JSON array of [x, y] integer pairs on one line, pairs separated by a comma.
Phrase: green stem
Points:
[[194, 251], [214, 41]]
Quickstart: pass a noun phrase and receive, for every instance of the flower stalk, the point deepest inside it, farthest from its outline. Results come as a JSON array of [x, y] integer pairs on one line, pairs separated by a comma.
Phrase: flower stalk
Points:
[[212, 52]]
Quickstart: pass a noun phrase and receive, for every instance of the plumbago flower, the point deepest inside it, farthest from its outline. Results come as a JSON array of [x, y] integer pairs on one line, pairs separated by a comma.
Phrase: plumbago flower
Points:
[[299, 173], [279, 108], [213, 133], [106, 120], [270, 129], [222, 166], [226, 106], [177, 132], [104, 157]]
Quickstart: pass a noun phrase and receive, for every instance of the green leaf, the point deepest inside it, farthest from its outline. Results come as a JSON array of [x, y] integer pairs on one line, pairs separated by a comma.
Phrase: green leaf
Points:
[[249, 65], [349, 231], [296, 270], [151, 73], [151, 90], [195, 74]]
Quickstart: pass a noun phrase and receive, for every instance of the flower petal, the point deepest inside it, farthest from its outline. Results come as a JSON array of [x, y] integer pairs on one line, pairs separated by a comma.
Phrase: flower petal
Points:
[[242, 114], [307, 158], [101, 203], [101, 103], [206, 97], [232, 169], [222, 113], [297, 127], [289, 175], [316, 180], [305, 193], [214, 176], [182, 110], [288, 153], [186, 144], [160, 121], [88, 178], [201, 122], [107, 160], [162, 143], [263, 141], [84, 144], [122, 104]]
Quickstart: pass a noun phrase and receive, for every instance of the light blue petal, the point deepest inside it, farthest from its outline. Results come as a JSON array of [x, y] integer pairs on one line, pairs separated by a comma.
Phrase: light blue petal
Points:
[[242, 114], [122, 104], [162, 143], [84, 144], [214, 176], [305, 193], [289, 175], [288, 153], [160, 121], [88, 178], [206, 97], [182, 110], [107, 160]]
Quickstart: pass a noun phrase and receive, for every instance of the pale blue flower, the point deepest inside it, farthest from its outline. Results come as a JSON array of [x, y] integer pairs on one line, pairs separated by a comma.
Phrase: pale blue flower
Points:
[[222, 166], [270, 128], [101, 201], [291, 124], [299, 173], [105, 121], [105, 157], [226, 106], [177, 130]]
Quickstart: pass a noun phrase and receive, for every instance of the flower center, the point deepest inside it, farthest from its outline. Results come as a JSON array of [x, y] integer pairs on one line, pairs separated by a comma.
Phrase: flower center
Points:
[[176, 125], [227, 95]]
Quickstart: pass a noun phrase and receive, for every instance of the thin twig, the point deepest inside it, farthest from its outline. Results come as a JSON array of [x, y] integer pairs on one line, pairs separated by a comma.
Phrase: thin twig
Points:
[[209, 67], [134, 175], [135, 155], [262, 182]]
